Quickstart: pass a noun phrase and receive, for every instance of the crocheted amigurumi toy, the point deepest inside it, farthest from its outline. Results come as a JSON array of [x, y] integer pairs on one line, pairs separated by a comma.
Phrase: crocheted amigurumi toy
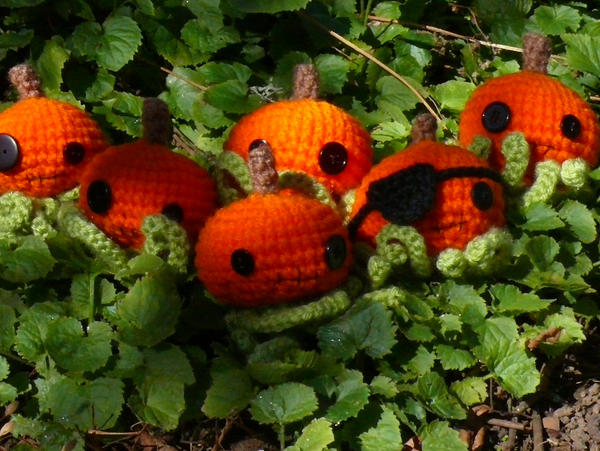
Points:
[[127, 183], [308, 135], [560, 129], [448, 197], [44, 144], [274, 246]]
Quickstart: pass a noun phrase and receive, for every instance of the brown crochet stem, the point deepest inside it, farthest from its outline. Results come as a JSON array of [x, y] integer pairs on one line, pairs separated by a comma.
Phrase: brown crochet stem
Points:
[[26, 81], [424, 128], [536, 53], [306, 82], [156, 121], [261, 164]]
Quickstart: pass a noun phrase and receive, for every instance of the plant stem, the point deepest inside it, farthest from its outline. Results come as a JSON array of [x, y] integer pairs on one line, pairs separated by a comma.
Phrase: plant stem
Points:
[[281, 436]]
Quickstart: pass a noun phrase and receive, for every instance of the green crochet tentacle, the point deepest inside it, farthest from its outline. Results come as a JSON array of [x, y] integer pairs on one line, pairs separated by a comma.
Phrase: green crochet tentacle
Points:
[[307, 185], [516, 152], [546, 178], [574, 173], [452, 263], [489, 252], [233, 165], [168, 240], [16, 211], [69, 196], [276, 319], [46, 216], [391, 297], [74, 224], [346, 204], [393, 241], [481, 146]]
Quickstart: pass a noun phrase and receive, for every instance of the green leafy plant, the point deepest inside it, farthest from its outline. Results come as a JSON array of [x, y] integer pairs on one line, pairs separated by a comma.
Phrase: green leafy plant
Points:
[[87, 348]]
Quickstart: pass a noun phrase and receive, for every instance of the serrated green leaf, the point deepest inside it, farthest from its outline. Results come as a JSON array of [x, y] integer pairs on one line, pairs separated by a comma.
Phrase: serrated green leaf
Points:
[[8, 393], [284, 403], [30, 261], [388, 10], [146, 6], [365, 326], [453, 94], [422, 362], [333, 73], [7, 327], [352, 396], [470, 390], [464, 301], [450, 323], [505, 356], [85, 39], [207, 38], [583, 52], [102, 86], [232, 96], [214, 72], [571, 331], [231, 389], [149, 312], [383, 437], [394, 98], [383, 385], [452, 358], [419, 332], [391, 130], [73, 351], [556, 19], [541, 250], [541, 217], [52, 436], [439, 436], [432, 390], [314, 437], [120, 40], [4, 368], [12, 40], [580, 219], [510, 299], [268, 6]]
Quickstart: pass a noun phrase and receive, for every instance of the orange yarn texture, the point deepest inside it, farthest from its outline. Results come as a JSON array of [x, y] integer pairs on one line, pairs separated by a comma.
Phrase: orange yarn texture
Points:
[[286, 236], [42, 128], [538, 105], [454, 220], [143, 179], [298, 130]]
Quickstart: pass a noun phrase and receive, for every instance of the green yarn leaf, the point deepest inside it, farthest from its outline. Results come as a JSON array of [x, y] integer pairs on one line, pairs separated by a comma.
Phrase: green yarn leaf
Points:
[[167, 239], [232, 177], [306, 184]]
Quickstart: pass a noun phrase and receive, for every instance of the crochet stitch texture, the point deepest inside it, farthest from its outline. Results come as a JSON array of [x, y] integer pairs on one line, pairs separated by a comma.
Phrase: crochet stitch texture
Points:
[[443, 211], [43, 128], [287, 236], [143, 179], [298, 130], [538, 104]]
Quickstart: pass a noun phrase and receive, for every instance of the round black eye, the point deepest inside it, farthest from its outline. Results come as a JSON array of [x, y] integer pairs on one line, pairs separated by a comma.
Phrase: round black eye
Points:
[[242, 262], [73, 153], [482, 196], [9, 152], [99, 196], [335, 252], [257, 142], [496, 117], [174, 212], [570, 126], [333, 158]]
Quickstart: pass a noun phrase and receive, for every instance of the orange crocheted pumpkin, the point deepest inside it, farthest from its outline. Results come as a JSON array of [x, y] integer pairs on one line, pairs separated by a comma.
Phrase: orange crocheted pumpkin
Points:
[[44, 144], [272, 247], [448, 194], [126, 183], [311, 136], [556, 122]]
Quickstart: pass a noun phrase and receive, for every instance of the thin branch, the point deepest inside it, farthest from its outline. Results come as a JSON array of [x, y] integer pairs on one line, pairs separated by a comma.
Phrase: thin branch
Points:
[[594, 98], [506, 424], [377, 62], [187, 80]]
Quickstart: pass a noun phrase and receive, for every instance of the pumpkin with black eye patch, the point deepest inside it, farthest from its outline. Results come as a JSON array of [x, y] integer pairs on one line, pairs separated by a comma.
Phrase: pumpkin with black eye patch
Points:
[[272, 247], [44, 144], [308, 135], [448, 194], [556, 122], [126, 183]]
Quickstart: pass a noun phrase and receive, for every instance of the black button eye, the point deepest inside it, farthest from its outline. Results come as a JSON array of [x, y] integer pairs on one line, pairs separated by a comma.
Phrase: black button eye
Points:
[[482, 196], [242, 262], [570, 126], [496, 117], [73, 153], [333, 158], [9, 152], [335, 252], [174, 212], [99, 196], [257, 142]]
